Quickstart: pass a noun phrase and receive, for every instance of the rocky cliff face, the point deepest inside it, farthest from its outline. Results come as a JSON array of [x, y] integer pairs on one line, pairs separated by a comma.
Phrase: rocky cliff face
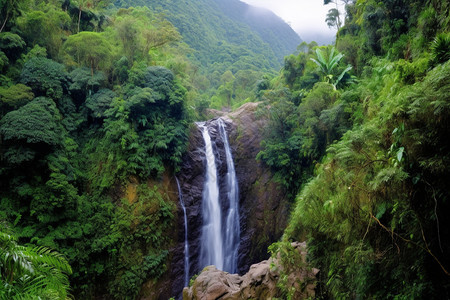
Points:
[[263, 204], [192, 178]]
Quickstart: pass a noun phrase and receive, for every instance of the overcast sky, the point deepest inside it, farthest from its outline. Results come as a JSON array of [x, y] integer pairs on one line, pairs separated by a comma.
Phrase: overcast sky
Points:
[[306, 17]]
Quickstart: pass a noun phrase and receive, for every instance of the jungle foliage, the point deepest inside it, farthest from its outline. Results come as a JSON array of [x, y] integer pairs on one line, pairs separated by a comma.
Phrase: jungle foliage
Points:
[[94, 110], [95, 102], [28, 272], [367, 161], [231, 48]]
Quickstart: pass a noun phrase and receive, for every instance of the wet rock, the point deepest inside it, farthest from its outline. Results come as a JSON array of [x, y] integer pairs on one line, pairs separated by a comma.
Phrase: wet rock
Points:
[[264, 206]]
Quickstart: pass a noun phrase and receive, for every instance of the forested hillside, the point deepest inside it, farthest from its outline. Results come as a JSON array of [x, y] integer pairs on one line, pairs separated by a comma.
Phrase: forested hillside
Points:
[[359, 135], [233, 44], [91, 100], [278, 35], [227, 34]]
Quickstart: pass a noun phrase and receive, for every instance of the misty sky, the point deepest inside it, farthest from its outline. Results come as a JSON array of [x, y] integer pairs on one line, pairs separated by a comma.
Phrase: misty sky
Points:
[[306, 17]]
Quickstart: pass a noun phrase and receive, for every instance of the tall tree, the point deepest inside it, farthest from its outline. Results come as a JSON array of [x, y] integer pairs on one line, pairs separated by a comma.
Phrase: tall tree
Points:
[[140, 31], [333, 18], [90, 49], [82, 5], [44, 26], [9, 9], [45, 77]]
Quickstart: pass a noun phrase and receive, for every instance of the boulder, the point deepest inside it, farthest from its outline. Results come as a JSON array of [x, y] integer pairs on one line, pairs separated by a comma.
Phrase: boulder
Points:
[[260, 282]]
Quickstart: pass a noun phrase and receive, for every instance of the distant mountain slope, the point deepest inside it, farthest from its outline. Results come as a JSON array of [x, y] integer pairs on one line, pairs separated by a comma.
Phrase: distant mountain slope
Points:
[[227, 34], [281, 38]]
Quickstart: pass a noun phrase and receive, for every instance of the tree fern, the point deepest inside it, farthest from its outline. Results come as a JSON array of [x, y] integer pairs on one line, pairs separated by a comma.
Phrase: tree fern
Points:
[[31, 272], [440, 49]]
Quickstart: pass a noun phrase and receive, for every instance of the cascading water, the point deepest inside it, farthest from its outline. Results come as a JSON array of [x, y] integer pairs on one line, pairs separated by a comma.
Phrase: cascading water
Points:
[[219, 244], [211, 251], [232, 228], [186, 242]]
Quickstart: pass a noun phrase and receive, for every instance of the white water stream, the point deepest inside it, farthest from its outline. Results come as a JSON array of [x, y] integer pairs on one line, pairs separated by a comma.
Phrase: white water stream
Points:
[[232, 228], [219, 242], [186, 242], [211, 251]]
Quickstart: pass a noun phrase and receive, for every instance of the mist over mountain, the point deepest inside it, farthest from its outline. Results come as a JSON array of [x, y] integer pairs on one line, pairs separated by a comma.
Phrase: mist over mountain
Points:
[[273, 30], [228, 32]]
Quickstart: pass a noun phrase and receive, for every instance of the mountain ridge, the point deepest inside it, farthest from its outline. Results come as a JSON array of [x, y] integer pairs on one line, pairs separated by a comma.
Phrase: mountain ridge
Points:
[[228, 32], [270, 27]]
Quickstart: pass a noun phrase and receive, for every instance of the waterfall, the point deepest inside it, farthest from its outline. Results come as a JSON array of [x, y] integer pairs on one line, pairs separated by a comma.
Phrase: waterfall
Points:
[[232, 228], [211, 252], [220, 238], [186, 242]]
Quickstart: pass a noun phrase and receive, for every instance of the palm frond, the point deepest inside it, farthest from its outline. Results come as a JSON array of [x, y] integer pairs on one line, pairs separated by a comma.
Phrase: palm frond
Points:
[[31, 285], [334, 61], [321, 58], [44, 255], [32, 272], [339, 78], [6, 238], [317, 63], [15, 261]]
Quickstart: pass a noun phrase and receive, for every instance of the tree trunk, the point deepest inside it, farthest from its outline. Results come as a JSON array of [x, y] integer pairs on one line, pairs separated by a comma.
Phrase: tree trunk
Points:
[[338, 21], [79, 19], [4, 23]]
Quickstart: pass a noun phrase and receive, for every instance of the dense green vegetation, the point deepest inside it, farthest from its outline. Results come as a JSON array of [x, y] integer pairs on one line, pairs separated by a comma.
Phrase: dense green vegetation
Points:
[[95, 105], [366, 151], [95, 102], [232, 44], [31, 272], [93, 113], [306, 113]]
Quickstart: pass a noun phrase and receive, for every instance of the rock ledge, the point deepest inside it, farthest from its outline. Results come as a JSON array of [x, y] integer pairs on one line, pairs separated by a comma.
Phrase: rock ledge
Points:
[[260, 282]]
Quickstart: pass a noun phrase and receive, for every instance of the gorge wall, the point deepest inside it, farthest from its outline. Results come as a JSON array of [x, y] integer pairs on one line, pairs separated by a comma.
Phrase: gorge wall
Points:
[[263, 204]]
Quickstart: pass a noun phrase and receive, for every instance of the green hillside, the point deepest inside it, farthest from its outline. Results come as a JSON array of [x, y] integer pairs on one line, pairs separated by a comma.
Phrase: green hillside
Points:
[[228, 35], [278, 35], [231, 46]]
